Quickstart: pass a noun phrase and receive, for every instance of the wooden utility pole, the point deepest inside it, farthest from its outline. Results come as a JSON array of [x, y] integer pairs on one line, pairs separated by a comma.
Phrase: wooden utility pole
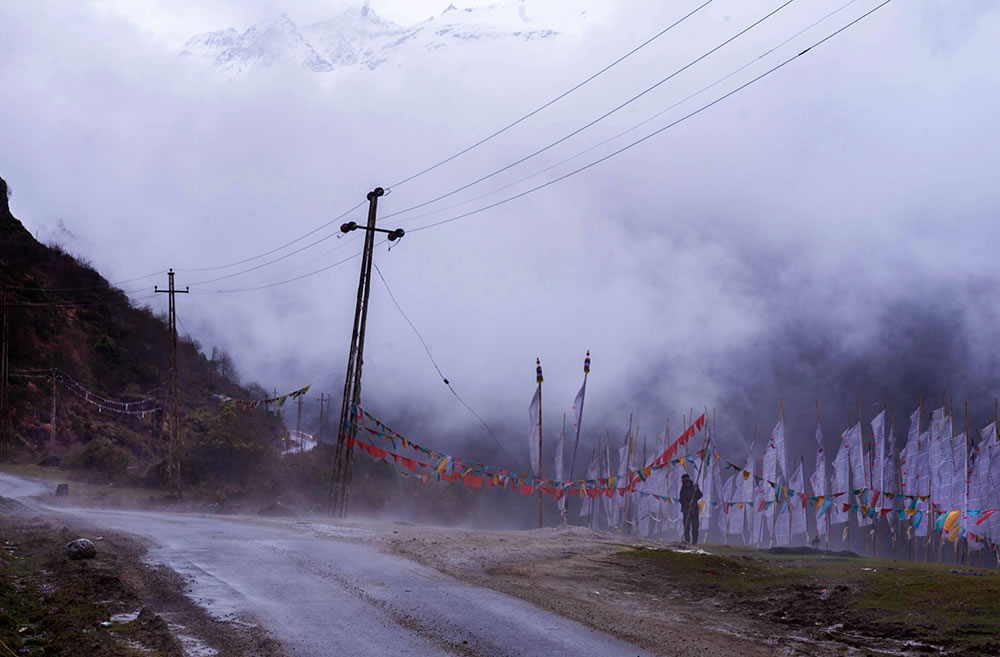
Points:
[[52, 434], [298, 421], [4, 412], [173, 412], [323, 399], [348, 428]]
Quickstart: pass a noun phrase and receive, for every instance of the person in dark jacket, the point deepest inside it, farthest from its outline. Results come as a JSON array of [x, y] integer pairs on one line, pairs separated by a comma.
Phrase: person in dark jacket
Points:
[[689, 496]]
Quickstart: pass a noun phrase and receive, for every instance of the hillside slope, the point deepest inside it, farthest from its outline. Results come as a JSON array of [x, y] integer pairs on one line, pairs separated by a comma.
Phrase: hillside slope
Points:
[[107, 352]]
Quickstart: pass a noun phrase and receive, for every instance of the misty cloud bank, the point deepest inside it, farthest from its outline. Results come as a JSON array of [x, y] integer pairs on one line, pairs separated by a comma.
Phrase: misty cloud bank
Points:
[[826, 234]]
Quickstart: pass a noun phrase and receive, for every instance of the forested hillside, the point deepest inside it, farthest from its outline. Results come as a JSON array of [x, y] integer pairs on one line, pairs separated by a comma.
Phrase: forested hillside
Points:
[[78, 346]]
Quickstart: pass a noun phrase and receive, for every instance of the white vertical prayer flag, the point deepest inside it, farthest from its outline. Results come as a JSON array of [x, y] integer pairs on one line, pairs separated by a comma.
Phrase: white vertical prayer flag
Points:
[[780, 449], [578, 415], [876, 477], [533, 421], [841, 477], [593, 472], [859, 471], [889, 479], [940, 459], [561, 502], [749, 489], [796, 483], [818, 480], [908, 458], [607, 502]]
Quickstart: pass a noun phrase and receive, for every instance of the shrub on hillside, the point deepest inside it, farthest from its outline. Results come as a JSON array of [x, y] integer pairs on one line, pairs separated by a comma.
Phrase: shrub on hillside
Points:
[[99, 456]]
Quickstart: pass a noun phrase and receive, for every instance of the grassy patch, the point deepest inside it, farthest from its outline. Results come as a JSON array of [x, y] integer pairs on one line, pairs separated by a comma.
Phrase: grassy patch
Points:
[[923, 602], [53, 606]]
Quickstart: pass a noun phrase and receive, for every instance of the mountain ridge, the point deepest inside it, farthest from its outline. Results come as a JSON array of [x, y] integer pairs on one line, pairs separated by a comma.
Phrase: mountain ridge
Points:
[[360, 38]]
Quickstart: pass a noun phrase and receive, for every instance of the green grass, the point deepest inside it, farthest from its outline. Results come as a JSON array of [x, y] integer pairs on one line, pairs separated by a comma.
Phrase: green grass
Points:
[[884, 597]]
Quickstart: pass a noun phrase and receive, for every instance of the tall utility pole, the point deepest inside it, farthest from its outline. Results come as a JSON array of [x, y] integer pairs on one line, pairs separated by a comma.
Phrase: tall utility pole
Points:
[[52, 435], [173, 412], [348, 428], [4, 412], [322, 416]]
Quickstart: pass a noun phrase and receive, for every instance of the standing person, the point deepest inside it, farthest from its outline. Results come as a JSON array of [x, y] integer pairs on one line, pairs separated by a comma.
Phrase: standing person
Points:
[[689, 496]]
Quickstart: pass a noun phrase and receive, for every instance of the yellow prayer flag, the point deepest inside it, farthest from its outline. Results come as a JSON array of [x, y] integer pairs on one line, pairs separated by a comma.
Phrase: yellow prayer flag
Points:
[[951, 520], [955, 534], [746, 475], [701, 506]]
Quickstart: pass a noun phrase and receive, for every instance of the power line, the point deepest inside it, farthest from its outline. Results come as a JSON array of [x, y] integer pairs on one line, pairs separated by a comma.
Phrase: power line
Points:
[[660, 113], [275, 250], [554, 100], [434, 362], [84, 289], [271, 262], [655, 132], [178, 318], [74, 304], [284, 282], [597, 120]]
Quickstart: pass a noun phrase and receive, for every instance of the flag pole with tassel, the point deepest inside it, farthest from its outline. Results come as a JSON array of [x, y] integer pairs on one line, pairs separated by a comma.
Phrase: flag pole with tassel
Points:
[[538, 379]]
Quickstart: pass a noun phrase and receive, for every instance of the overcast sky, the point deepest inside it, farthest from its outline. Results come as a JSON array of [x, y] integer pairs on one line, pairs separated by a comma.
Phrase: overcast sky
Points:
[[849, 194]]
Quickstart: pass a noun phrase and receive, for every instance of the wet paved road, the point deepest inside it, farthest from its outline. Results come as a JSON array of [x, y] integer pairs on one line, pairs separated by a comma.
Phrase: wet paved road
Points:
[[322, 594]]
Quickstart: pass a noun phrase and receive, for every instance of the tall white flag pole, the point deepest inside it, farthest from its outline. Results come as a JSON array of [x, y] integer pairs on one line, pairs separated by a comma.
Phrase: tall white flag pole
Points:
[[538, 377]]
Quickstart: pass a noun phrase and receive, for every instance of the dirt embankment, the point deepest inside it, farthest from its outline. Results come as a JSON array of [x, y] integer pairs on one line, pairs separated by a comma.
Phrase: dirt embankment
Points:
[[675, 600], [580, 574], [114, 605]]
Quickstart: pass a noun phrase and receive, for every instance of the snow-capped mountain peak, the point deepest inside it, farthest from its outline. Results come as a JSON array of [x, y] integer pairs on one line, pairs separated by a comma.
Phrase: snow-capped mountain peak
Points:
[[358, 37]]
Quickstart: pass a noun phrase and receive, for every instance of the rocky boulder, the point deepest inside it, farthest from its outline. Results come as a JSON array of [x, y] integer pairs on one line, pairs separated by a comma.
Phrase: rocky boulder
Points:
[[81, 548]]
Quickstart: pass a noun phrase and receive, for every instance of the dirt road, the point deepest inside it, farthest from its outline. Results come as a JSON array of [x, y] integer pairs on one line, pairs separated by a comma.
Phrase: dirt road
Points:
[[322, 589]]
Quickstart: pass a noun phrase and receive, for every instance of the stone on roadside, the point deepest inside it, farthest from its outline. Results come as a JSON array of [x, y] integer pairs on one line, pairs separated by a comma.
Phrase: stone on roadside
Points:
[[277, 509], [81, 548], [62, 490]]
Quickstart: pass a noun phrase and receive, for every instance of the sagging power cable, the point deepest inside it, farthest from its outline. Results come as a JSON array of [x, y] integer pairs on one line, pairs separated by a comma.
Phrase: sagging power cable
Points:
[[655, 132], [594, 121], [434, 363]]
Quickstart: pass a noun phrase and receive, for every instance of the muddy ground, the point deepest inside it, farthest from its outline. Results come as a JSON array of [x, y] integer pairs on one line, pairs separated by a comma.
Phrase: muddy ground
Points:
[[114, 605], [674, 600]]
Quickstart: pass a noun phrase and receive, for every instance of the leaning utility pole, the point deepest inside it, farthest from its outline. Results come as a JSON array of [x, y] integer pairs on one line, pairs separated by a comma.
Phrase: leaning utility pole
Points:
[[173, 413], [348, 429]]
